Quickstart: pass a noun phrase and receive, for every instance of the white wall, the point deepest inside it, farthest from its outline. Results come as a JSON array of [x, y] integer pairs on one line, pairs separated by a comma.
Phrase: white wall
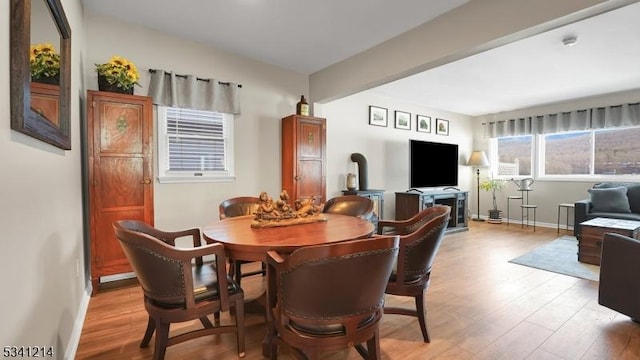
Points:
[[268, 94], [385, 148], [41, 219]]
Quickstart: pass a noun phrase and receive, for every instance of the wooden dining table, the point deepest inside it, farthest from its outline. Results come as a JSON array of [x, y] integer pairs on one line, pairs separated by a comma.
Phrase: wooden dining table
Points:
[[243, 242]]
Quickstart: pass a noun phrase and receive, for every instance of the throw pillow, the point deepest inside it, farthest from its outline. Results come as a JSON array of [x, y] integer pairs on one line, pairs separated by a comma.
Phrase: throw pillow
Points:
[[611, 200], [633, 194]]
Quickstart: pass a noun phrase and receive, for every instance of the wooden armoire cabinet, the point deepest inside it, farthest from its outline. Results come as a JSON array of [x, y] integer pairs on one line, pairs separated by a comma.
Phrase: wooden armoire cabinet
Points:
[[304, 143], [119, 155]]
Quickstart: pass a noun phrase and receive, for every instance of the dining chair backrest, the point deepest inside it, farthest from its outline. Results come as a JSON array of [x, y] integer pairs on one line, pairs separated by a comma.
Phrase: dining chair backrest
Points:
[[238, 206], [352, 205], [178, 289], [331, 296], [421, 237]]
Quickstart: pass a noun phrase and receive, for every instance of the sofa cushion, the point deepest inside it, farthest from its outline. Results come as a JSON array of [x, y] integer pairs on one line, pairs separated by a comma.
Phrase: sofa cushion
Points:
[[633, 193], [613, 200]]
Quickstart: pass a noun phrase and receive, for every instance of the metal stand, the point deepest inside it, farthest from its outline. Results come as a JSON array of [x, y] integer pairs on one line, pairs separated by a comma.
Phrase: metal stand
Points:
[[478, 195]]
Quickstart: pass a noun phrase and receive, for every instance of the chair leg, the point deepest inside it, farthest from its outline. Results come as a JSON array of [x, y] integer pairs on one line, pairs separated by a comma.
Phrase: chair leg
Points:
[[373, 346], [364, 353], [216, 318], [151, 327], [239, 306], [421, 317], [238, 271], [206, 323], [162, 338]]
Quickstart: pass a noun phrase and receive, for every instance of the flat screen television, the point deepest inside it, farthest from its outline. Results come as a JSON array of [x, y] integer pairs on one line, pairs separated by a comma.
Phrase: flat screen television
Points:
[[432, 164]]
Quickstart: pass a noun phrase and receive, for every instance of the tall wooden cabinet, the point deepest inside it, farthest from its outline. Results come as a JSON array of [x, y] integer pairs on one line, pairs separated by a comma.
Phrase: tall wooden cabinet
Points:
[[304, 143], [119, 154]]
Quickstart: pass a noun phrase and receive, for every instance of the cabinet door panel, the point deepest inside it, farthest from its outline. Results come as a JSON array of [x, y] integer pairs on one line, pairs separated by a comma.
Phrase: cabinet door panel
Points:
[[108, 251], [121, 128], [310, 143], [121, 182], [310, 183], [45, 100]]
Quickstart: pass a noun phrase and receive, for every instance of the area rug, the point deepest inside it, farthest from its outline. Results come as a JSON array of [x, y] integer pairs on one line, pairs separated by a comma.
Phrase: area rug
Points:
[[559, 256]]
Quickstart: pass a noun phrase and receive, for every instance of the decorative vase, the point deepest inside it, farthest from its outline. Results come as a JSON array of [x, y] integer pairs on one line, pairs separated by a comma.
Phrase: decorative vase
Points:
[[52, 80], [351, 182], [103, 85]]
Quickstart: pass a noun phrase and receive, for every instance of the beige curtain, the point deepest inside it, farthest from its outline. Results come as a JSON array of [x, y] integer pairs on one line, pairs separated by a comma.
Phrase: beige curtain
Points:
[[188, 91], [589, 119]]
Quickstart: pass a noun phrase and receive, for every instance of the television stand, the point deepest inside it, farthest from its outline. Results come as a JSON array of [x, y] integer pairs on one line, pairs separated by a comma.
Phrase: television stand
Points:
[[409, 203]]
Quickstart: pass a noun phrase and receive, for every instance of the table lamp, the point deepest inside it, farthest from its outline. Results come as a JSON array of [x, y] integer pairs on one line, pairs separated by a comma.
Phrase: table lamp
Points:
[[478, 159]]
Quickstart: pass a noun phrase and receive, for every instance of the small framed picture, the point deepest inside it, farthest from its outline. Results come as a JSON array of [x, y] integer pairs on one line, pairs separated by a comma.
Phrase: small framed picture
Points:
[[442, 127], [377, 116], [423, 123], [403, 120]]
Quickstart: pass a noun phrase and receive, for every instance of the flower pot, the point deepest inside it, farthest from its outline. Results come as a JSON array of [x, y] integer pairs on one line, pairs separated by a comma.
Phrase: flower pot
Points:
[[52, 80], [495, 217], [103, 85]]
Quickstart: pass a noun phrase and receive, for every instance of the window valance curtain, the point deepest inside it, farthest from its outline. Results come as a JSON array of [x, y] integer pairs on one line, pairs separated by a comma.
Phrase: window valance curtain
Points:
[[589, 119], [188, 91]]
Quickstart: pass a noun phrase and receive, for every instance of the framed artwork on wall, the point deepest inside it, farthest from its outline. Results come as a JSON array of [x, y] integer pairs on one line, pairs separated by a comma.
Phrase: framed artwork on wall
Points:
[[403, 120], [423, 123], [377, 116], [442, 127]]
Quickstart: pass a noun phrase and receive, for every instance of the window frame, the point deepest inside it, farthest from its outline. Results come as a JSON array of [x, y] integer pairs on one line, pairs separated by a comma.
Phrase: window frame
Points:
[[494, 159], [538, 161], [167, 176]]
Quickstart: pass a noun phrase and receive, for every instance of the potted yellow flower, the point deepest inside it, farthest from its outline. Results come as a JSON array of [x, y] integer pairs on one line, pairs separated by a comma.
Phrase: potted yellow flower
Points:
[[117, 75], [45, 64]]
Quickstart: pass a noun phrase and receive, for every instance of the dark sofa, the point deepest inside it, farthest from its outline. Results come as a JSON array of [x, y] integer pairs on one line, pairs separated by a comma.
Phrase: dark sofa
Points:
[[609, 200]]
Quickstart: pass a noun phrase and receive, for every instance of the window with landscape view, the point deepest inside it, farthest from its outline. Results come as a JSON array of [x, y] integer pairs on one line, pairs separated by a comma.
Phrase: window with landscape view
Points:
[[513, 156], [602, 153]]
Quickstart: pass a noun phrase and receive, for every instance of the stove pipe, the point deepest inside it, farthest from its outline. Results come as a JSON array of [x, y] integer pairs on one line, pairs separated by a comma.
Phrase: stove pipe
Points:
[[362, 170]]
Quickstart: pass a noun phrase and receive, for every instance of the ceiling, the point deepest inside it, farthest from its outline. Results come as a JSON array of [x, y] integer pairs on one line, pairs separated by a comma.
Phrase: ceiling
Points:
[[306, 36]]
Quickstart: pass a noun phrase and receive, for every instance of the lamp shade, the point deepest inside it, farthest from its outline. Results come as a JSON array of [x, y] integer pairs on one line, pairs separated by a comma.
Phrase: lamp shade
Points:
[[478, 158]]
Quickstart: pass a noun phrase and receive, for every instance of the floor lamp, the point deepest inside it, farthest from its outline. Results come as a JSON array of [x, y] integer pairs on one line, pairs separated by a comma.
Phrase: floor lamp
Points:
[[478, 159]]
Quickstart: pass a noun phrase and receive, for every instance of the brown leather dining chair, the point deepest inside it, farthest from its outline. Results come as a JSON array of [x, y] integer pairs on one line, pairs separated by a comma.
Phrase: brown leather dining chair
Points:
[[619, 287], [240, 206], [352, 205], [176, 288], [329, 297], [420, 238]]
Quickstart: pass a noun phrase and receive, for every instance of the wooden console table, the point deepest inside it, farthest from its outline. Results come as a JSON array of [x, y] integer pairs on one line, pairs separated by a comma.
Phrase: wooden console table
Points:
[[409, 203], [592, 231]]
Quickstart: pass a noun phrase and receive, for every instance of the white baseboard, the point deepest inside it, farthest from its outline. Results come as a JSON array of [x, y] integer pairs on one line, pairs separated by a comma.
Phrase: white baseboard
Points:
[[74, 339], [517, 222]]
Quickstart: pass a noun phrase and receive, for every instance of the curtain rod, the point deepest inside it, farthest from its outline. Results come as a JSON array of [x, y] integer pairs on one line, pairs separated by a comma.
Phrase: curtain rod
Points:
[[207, 80]]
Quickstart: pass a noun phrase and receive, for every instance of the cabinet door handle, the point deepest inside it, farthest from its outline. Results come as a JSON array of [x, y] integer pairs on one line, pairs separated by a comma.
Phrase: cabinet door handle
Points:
[[298, 178], [145, 182]]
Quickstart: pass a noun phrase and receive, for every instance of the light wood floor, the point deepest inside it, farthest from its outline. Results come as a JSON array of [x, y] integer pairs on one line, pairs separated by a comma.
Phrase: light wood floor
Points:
[[479, 306]]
